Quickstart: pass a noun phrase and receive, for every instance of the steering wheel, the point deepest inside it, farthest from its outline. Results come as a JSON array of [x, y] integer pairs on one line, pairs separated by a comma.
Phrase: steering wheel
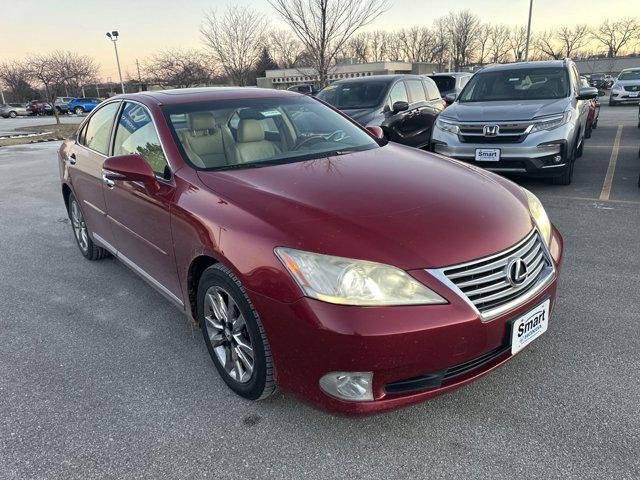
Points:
[[307, 140], [336, 136]]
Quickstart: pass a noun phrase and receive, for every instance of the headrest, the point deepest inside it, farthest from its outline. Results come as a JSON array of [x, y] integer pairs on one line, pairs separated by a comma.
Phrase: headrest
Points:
[[200, 121], [250, 131]]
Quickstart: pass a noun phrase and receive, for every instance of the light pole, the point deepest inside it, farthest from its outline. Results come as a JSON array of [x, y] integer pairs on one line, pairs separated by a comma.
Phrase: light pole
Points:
[[526, 49], [113, 36]]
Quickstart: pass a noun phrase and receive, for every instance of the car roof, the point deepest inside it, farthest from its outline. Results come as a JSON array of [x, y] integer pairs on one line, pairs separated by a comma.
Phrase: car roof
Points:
[[379, 78], [451, 74], [524, 65], [204, 94]]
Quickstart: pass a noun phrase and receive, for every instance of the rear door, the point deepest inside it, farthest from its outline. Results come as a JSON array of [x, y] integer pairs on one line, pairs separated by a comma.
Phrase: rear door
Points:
[[423, 113], [140, 216], [88, 152]]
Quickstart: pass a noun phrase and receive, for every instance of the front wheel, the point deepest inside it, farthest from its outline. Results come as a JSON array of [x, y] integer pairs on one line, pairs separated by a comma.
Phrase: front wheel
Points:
[[81, 232], [78, 110], [234, 334], [13, 114]]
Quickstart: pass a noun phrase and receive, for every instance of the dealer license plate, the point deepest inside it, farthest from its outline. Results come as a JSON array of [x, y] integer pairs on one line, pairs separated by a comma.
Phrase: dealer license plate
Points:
[[487, 154], [529, 327]]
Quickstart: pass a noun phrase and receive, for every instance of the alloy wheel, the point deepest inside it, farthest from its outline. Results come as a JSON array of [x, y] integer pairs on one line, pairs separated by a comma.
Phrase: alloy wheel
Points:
[[228, 334], [79, 227]]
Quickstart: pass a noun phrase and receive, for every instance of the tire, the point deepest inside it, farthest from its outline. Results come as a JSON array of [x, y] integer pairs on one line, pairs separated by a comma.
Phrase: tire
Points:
[[78, 110], [587, 133], [580, 150], [594, 125], [13, 114], [566, 176], [225, 334], [89, 250]]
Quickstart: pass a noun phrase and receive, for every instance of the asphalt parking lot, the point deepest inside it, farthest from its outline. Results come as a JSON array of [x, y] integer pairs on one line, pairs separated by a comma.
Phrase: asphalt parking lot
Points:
[[102, 378]]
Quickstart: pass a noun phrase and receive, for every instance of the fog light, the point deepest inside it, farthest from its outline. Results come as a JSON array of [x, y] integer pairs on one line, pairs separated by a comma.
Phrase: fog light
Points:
[[352, 386], [557, 159]]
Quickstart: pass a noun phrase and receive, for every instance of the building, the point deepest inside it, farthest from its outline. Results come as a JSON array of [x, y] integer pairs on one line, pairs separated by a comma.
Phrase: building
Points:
[[285, 78], [611, 66]]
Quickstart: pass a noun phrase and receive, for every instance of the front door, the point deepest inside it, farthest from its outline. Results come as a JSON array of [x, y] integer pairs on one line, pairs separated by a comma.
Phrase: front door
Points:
[[87, 154], [140, 217]]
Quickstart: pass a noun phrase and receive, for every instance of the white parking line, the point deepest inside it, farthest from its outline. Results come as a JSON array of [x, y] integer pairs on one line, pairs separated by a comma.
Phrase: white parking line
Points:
[[608, 180]]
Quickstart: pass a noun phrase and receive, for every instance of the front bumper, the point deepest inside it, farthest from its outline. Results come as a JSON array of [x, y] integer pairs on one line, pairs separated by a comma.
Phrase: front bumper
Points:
[[536, 156], [622, 96], [309, 338]]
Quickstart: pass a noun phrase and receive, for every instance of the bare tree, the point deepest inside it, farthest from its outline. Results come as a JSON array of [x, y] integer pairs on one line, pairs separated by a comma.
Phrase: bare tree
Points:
[[441, 49], [75, 70], [16, 78], [416, 44], [499, 43], [325, 26], [573, 39], [236, 39], [616, 35], [517, 42], [546, 42], [178, 68], [45, 69], [483, 42], [285, 48], [382, 46], [462, 28], [357, 48]]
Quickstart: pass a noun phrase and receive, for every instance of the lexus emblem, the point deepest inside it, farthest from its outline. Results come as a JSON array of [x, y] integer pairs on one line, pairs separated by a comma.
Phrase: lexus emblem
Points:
[[491, 130], [516, 272]]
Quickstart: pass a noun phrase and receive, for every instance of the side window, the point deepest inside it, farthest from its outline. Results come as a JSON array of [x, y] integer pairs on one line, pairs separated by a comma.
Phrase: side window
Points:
[[398, 93], [97, 133], [416, 91], [463, 81], [136, 135], [432, 89]]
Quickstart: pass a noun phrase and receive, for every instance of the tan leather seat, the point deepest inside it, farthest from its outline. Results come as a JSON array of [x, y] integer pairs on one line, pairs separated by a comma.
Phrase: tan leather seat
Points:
[[251, 145], [204, 142]]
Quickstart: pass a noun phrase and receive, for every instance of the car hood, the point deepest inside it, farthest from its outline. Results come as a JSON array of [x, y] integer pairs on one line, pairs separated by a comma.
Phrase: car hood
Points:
[[628, 83], [360, 115], [505, 111], [393, 205]]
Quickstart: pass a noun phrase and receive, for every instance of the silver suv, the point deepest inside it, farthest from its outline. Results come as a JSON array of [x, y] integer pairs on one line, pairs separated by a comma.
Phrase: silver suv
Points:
[[521, 118], [626, 88]]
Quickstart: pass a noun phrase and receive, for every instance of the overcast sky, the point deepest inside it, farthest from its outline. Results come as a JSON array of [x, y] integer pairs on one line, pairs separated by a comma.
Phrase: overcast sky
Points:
[[147, 26]]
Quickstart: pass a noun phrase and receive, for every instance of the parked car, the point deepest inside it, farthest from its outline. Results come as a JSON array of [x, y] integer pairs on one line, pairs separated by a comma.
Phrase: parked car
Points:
[[524, 118], [38, 107], [598, 80], [83, 105], [314, 255], [627, 87], [61, 104], [452, 82], [13, 110], [306, 88], [594, 111], [404, 106]]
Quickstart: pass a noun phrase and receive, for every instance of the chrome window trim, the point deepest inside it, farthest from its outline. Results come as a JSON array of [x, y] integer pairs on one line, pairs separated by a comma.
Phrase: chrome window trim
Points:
[[542, 282], [140, 271]]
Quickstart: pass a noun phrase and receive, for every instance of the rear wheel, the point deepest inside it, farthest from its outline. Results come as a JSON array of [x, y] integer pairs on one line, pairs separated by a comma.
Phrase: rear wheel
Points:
[[80, 230], [587, 133], [13, 114], [234, 334]]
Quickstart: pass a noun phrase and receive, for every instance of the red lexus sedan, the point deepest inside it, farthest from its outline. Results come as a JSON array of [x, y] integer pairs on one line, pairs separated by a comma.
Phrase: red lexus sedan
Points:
[[356, 274]]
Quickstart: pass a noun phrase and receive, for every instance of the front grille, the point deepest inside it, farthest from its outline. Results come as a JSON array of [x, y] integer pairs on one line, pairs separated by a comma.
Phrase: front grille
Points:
[[632, 88], [485, 282], [435, 379], [507, 133]]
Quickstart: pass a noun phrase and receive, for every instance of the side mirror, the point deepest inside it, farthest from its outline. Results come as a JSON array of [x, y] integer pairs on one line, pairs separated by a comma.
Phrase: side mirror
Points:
[[450, 98], [400, 107], [587, 93], [131, 168], [376, 132]]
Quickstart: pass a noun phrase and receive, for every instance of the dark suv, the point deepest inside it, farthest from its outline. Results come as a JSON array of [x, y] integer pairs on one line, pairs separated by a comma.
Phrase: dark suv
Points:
[[404, 106]]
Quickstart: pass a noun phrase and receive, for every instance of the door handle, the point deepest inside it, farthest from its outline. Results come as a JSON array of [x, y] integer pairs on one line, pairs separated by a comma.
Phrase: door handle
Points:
[[72, 159], [107, 181]]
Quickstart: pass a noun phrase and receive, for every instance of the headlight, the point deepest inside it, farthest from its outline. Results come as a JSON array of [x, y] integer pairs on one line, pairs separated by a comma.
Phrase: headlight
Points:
[[447, 126], [552, 121], [616, 87], [539, 216], [354, 282]]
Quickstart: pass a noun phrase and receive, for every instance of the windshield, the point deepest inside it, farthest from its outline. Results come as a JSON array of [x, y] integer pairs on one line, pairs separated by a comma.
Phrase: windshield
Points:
[[353, 95], [630, 75], [445, 84], [246, 133], [520, 84]]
